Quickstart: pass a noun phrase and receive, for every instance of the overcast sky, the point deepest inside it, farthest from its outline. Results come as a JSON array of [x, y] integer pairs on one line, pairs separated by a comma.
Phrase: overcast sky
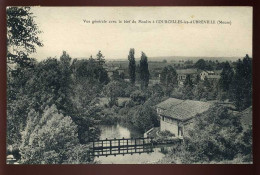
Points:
[[63, 29]]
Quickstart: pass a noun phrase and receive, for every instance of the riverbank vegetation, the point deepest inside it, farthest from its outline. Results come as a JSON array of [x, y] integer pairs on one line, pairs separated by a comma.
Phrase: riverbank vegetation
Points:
[[217, 136]]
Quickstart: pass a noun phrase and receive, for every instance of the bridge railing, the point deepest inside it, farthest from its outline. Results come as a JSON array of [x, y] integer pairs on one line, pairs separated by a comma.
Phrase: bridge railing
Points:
[[123, 142], [122, 146]]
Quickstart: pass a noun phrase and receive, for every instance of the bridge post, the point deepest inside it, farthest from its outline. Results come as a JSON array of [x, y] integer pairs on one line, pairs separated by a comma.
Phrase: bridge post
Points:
[[135, 145], [110, 146], [118, 145], [127, 145]]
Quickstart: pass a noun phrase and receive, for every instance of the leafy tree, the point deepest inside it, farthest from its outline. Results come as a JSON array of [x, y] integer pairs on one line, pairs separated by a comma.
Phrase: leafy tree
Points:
[[132, 66], [163, 76], [22, 40], [200, 91], [22, 35], [157, 89], [226, 77], [49, 138], [142, 117], [168, 76], [164, 61], [188, 88], [31, 89], [144, 72], [145, 118], [113, 90], [89, 70], [213, 137], [201, 64], [116, 76], [138, 97], [100, 58], [225, 82], [241, 87], [197, 80]]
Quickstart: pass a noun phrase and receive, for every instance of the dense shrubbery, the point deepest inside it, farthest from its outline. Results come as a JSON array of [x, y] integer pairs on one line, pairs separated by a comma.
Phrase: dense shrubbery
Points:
[[51, 138]]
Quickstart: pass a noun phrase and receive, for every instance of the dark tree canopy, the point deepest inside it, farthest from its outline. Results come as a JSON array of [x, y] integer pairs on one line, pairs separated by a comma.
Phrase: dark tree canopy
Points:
[[132, 65], [188, 88], [100, 58], [22, 35], [144, 71], [168, 76], [241, 87], [226, 77], [201, 64]]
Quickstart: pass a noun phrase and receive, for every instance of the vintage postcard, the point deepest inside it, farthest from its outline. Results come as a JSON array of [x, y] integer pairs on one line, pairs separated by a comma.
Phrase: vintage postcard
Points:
[[129, 85]]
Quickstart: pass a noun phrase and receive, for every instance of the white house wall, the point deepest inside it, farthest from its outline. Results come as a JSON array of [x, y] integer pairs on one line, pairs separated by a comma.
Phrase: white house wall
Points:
[[171, 126]]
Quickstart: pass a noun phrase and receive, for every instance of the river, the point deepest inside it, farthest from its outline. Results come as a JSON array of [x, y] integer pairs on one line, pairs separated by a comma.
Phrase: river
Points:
[[119, 131]]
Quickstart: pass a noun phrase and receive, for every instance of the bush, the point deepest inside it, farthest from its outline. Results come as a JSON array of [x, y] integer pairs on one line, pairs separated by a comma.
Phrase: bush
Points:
[[49, 138], [138, 97]]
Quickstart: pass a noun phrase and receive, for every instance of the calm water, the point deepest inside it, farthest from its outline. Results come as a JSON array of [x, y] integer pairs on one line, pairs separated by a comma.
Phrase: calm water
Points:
[[119, 131]]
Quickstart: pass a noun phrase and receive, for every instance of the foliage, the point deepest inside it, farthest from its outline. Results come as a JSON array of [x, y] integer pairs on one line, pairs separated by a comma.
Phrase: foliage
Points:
[[100, 58], [241, 87], [108, 116], [89, 70], [204, 65], [63, 83], [49, 138], [142, 117], [168, 76], [200, 64], [22, 35], [144, 72], [214, 136], [226, 77], [113, 90], [138, 97], [188, 88], [132, 65]]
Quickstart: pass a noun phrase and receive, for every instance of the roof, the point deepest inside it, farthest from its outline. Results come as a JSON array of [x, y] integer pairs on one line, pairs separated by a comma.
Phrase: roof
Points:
[[186, 71], [213, 76], [218, 71], [182, 109]]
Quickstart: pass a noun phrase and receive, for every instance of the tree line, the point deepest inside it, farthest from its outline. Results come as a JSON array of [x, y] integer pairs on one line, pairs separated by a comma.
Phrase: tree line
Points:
[[235, 84]]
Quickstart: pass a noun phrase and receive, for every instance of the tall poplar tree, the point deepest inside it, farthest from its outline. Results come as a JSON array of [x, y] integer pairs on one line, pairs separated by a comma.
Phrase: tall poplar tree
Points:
[[132, 65], [144, 71]]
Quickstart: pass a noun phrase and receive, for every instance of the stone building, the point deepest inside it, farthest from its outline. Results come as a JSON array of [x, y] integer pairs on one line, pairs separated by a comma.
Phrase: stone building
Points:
[[176, 115]]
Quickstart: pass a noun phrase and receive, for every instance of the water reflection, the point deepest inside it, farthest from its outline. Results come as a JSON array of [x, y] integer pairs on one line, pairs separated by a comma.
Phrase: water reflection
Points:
[[119, 131]]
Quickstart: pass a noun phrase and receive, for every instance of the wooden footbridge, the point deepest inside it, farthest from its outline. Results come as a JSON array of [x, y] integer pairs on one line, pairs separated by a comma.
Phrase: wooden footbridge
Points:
[[124, 146]]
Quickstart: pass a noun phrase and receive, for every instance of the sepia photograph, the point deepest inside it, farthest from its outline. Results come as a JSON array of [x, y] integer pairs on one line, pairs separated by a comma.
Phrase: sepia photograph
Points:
[[129, 85]]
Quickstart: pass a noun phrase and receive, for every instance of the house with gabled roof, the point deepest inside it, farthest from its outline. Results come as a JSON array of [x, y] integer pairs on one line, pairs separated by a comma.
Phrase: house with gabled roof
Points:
[[211, 75], [183, 73], [175, 114]]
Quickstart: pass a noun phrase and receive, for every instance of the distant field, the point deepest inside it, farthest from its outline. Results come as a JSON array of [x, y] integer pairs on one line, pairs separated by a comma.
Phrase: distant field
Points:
[[177, 58]]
